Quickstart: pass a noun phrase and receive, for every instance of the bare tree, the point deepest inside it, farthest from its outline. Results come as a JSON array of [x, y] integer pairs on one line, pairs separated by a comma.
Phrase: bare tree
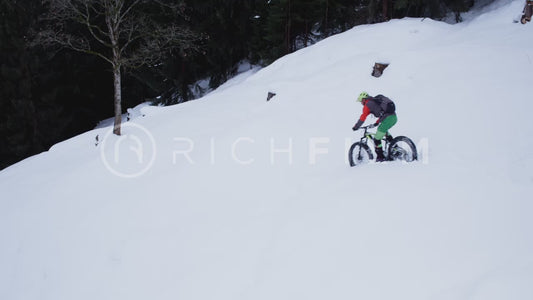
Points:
[[125, 33]]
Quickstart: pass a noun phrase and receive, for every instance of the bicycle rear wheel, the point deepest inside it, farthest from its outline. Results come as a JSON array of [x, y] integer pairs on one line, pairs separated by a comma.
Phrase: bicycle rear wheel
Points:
[[359, 153], [402, 148]]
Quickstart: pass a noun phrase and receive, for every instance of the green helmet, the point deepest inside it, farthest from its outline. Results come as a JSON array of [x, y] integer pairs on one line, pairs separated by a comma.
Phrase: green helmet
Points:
[[362, 96]]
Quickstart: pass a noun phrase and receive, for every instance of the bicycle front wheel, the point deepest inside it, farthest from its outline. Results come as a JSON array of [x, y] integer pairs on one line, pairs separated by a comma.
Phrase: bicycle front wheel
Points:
[[359, 153], [402, 148]]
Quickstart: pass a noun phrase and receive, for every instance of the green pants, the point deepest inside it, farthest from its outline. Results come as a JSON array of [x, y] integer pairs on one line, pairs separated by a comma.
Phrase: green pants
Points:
[[385, 125]]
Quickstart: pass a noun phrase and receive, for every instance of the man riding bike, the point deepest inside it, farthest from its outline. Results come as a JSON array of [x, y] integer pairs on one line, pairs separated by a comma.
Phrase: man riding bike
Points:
[[382, 108]]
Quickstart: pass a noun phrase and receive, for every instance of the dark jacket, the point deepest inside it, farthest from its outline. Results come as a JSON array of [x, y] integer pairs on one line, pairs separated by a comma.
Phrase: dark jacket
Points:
[[373, 105]]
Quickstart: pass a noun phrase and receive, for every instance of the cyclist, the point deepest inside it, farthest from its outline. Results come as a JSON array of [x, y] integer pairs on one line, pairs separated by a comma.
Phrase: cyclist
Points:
[[384, 109]]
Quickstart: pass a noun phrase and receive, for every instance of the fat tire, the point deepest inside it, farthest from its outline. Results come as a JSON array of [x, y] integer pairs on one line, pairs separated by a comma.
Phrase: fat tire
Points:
[[410, 148], [354, 148]]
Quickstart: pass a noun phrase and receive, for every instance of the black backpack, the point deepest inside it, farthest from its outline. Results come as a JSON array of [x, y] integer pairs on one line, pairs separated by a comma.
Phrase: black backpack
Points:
[[386, 104]]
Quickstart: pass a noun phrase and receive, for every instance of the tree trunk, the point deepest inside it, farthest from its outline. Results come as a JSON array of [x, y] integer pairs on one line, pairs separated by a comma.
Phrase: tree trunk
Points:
[[118, 100], [112, 19], [326, 25], [288, 29], [385, 10]]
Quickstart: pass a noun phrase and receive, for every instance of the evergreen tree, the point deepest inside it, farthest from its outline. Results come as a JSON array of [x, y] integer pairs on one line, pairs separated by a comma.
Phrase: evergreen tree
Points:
[[228, 25], [39, 105], [339, 16], [20, 127], [458, 7]]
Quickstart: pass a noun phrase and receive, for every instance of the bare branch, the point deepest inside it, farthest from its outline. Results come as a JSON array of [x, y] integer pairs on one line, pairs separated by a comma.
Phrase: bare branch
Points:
[[95, 30], [49, 38], [127, 11]]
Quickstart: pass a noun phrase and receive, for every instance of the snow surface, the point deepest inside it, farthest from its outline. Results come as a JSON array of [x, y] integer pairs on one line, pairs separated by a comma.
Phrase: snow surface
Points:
[[233, 197]]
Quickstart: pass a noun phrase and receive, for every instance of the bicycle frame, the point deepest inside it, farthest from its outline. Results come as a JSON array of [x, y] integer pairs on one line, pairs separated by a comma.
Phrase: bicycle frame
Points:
[[370, 135]]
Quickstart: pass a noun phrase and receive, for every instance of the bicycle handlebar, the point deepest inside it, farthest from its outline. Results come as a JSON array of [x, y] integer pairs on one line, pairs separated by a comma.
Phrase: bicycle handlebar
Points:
[[368, 126]]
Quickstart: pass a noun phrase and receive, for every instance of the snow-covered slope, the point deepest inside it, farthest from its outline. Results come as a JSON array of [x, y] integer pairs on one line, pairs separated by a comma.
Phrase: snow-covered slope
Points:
[[233, 197]]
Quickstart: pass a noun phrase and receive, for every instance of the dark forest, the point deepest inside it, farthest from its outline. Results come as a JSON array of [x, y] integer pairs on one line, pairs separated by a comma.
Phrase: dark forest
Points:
[[49, 93]]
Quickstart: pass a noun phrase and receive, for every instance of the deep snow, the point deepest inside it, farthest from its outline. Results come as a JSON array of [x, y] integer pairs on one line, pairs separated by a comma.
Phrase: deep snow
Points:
[[234, 197]]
